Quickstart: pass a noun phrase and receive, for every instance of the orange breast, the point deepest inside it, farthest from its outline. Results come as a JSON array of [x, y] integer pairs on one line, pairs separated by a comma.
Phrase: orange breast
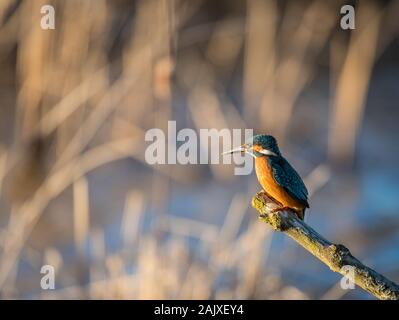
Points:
[[266, 179]]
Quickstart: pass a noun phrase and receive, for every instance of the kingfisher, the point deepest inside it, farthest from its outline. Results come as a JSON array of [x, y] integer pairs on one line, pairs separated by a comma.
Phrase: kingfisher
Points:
[[277, 177]]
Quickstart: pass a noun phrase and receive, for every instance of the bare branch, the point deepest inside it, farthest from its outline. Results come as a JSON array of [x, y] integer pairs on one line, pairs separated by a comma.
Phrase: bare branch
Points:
[[335, 256]]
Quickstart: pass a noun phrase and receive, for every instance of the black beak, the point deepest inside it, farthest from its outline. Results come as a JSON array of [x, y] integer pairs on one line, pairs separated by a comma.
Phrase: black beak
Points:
[[242, 148]]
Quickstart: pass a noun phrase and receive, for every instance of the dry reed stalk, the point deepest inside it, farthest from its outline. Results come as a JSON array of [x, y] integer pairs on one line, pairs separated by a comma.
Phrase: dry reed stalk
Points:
[[81, 213], [30, 211], [189, 228], [132, 214], [260, 53], [293, 69], [352, 85], [203, 100], [3, 166]]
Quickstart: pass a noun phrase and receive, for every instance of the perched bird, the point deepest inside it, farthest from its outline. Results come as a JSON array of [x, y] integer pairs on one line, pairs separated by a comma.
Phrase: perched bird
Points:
[[277, 177]]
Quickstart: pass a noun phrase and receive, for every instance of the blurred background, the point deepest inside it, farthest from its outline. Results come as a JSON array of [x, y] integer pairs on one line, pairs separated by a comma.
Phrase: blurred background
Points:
[[75, 103]]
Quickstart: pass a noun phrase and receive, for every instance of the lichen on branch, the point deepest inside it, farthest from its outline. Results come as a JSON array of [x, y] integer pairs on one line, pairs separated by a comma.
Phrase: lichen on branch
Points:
[[335, 256]]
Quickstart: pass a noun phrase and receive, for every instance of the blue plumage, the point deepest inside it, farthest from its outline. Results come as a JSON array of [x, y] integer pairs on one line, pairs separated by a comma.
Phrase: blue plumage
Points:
[[286, 176], [283, 173], [267, 142]]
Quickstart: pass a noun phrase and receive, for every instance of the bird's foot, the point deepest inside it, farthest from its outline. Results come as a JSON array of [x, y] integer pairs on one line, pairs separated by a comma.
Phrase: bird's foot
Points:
[[286, 209]]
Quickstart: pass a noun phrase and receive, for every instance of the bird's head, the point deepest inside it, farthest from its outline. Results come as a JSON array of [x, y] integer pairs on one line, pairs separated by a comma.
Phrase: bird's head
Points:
[[259, 146]]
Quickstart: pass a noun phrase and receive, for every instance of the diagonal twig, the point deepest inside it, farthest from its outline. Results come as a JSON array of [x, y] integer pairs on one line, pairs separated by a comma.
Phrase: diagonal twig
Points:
[[335, 256]]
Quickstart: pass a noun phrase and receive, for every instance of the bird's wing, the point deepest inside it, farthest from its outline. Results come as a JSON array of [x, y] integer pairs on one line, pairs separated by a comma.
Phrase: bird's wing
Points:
[[286, 176]]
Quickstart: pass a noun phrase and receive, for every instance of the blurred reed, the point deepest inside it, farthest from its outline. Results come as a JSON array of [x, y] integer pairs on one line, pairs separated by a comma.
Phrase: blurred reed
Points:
[[88, 91], [352, 82]]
